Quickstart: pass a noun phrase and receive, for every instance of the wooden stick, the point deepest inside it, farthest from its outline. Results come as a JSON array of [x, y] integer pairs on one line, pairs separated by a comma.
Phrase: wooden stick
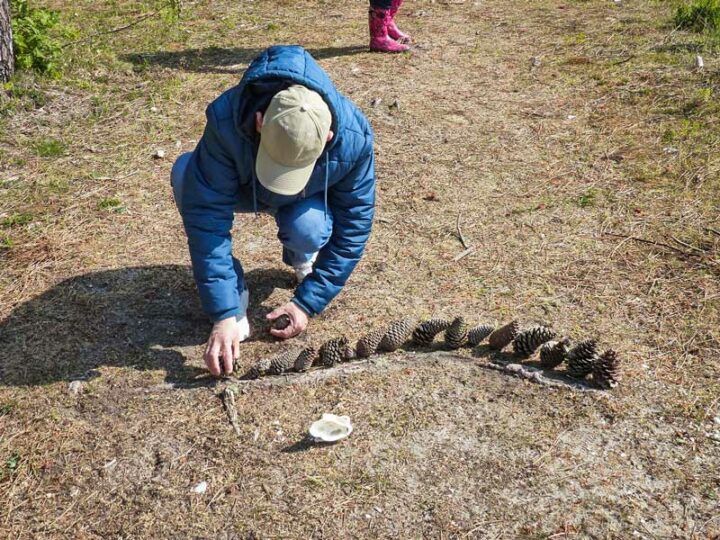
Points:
[[463, 254], [688, 245], [645, 241], [619, 62], [112, 31], [228, 397], [400, 360], [459, 232]]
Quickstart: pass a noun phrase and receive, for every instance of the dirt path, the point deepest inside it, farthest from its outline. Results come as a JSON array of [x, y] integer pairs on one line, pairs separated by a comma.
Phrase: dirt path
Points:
[[542, 124]]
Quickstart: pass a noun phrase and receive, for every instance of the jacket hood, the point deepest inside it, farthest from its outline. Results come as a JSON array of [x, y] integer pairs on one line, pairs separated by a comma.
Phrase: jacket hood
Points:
[[282, 64]]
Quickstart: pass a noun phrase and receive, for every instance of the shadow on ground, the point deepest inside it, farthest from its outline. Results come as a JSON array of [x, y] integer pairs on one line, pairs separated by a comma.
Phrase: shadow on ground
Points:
[[131, 317], [221, 60]]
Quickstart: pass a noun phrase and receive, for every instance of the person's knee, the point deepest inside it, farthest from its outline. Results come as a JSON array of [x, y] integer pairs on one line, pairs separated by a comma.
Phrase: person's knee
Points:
[[305, 232], [177, 176]]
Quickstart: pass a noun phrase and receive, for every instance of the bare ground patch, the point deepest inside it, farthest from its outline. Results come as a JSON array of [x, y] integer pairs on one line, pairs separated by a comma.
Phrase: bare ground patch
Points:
[[546, 125]]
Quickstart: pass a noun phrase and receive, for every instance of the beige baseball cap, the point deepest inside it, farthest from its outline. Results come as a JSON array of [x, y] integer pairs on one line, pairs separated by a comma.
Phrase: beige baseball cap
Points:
[[292, 137]]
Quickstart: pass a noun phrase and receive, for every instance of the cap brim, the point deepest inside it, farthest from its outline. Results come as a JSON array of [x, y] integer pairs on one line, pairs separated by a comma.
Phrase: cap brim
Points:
[[279, 178]]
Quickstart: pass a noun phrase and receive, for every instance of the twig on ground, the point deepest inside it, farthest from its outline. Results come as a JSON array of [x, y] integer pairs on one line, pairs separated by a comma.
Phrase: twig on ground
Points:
[[459, 232], [624, 60], [400, 361], [228, 397], [463, 254], [689, 246], [646, 241], [537, 375], [479, 525], [112, 31], [711, 230]]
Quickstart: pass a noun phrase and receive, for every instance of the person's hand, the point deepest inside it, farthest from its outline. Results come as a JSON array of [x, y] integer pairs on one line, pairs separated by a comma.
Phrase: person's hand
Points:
[[224, 344], [298, 320]]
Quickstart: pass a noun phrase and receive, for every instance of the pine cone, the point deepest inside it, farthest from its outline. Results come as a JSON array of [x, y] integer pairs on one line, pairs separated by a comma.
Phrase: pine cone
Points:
[[334, 351], [282, 362], [456, 334], [503, 336], [553, 353], [425, 333], [305, 359], [527, 341], [368, 344], [479, 333], [396, 335], [581, 358], [350, 353], [281, 323], [259, 368], [606, 370]]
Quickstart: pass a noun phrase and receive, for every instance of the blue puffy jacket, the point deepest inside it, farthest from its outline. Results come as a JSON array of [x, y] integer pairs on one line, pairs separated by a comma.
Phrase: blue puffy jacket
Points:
[[220, 179]]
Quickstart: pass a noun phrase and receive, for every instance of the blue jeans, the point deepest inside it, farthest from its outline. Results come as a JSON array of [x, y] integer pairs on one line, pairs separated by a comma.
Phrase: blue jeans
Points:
[[303, 227]]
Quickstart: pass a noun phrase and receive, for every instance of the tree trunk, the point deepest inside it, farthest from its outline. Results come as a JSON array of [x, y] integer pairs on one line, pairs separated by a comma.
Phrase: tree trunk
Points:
[[7, 59]]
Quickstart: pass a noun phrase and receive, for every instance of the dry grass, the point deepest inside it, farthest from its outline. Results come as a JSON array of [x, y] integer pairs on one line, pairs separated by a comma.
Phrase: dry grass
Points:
[[613, 132]]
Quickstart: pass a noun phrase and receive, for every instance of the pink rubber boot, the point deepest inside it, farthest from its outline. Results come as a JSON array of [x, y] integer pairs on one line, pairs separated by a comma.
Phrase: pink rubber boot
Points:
[[379, 39], [393, 31]]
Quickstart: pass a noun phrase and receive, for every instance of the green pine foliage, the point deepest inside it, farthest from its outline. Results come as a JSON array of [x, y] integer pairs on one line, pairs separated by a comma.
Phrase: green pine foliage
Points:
[[698, 16]]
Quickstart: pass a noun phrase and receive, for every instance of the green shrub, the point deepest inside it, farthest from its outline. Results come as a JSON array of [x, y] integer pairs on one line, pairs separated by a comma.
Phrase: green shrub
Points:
[[699, 16], [35, 46]]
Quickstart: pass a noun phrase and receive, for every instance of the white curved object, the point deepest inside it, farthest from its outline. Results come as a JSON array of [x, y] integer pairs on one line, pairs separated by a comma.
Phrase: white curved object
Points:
[[331, 428]]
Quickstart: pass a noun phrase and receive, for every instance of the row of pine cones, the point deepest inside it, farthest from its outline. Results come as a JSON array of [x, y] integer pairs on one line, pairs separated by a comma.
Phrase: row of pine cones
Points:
[[581, 359]]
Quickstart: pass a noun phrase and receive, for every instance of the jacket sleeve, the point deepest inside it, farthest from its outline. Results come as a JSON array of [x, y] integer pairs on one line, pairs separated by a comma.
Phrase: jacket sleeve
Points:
[[352, 203], [209, 196]]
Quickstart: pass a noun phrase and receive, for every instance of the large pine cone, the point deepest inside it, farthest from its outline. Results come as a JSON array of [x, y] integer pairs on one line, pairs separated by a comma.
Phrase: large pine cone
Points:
[[425, 333], [396, 335], [334, 351], [368, 344], [282, 362], [553, 353], [606, 370], [527, 342], [456, 335], [479, 333], [503, 336], [305, 359], [259, 368], [581, 358]]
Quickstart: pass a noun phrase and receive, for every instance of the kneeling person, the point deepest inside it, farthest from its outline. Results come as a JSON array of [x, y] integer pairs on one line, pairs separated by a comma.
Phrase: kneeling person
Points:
[[286, 142]]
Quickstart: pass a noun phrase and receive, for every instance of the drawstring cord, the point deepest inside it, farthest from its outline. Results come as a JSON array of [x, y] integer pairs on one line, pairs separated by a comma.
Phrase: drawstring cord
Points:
[[327, 174], [255, 193]]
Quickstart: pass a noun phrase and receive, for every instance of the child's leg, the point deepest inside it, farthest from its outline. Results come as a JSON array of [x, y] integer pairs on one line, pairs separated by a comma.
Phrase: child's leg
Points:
[[379, 17], [393, 31], [303, 228]]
